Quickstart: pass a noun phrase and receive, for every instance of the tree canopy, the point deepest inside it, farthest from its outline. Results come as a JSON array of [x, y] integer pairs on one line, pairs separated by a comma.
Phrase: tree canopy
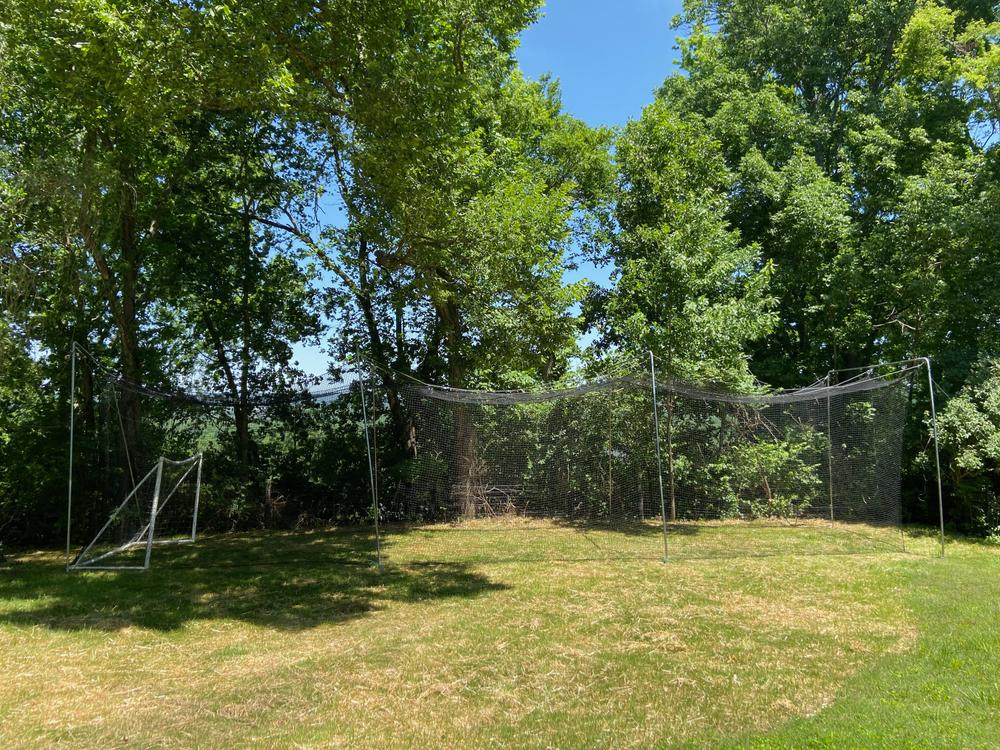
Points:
[[196, 191]]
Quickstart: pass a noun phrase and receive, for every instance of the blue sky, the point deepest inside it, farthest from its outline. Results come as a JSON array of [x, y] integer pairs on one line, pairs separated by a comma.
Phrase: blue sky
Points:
[[609, 55]]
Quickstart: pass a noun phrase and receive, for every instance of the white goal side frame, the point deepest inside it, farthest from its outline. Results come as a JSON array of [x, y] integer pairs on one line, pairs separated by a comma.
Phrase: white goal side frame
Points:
[[147, 535]]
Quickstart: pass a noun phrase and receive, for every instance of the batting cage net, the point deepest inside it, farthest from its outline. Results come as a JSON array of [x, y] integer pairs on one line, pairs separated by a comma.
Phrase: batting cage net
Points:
[[631, 468], [625, 467]]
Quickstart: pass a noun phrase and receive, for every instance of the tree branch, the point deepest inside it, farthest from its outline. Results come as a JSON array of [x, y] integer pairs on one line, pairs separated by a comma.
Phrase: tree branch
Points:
[[306, 239]]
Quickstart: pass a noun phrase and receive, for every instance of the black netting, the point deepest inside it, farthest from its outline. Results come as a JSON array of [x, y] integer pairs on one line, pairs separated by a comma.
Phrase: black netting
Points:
[[809, 471], [466, 475], [292, 460]]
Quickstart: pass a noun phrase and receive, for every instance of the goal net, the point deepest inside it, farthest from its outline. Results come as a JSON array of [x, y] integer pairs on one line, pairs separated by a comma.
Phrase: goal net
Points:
[[162, 508], [290, 459], [607, 471]]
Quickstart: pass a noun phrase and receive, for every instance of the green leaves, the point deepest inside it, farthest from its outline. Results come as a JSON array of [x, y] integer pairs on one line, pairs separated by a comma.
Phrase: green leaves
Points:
[[686, 286], [969, 430], [861, 140], [926, 44], [464, 244]]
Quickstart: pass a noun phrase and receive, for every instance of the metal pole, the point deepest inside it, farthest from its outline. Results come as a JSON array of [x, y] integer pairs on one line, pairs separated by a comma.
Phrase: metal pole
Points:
[[937, 450], [611, 427], [829, 442], [72, 426], [659, 460], [197, 499], [151, 530], [371, 470]]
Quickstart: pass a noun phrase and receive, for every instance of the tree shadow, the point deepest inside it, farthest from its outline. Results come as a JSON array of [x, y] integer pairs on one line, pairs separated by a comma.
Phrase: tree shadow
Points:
[[285, 581]]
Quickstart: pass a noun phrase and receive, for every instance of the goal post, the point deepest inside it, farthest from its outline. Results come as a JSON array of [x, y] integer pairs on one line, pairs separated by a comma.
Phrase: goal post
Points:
[[162, 508]]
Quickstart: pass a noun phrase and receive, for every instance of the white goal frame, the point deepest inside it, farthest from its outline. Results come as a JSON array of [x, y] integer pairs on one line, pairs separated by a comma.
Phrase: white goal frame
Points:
[[147, 535]]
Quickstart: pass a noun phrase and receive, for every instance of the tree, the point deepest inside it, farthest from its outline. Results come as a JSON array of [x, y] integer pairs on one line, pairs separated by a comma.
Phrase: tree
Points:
[[861, 137], [969, 430], [685, 285], [95, 97], [460, 277], [826, 112], [457, 272], [243, 292]]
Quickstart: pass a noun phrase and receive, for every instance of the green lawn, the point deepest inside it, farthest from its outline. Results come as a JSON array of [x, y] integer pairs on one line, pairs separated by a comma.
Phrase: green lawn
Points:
[[294, 640]]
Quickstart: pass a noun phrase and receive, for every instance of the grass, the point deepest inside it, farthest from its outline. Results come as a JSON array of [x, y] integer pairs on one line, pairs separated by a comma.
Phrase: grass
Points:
[[228, 643], [518, 539]]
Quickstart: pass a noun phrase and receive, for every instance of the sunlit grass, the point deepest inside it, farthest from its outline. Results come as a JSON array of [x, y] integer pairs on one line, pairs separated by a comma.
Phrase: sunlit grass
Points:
[[297, 640], [504, 539]]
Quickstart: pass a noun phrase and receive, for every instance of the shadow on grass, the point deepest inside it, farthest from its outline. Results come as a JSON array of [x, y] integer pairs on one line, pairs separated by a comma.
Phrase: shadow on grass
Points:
[[284, 581]]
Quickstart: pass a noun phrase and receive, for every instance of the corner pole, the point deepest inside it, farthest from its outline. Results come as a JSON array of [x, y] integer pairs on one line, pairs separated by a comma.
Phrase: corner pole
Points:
[[829, 443], [659, 460], [611, 428], [937, 450], [371, 469], [197, 499], [72, 425], [151, 529]]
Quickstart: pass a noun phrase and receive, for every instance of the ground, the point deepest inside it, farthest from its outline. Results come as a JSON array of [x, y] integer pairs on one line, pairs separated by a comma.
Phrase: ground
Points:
[[295, 640]]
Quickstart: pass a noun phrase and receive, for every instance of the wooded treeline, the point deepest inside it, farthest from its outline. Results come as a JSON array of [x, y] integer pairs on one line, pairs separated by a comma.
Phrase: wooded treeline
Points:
[[193, 190]]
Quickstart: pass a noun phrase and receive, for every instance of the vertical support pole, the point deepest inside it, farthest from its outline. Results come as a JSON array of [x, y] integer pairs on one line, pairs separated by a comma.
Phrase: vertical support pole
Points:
[[670, 442], [374, 420], [371, 470], [829, 444], [659, 460], [152, 516], [197, 499], [670, 457], [72, 429], [611, 427], [937, 450]]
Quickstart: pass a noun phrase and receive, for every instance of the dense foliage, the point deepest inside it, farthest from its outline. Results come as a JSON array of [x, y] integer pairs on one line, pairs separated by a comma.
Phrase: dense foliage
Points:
[[197, 191]]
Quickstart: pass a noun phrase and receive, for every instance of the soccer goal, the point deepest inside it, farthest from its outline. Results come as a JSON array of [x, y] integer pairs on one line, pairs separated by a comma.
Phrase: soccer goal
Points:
[[639, 467], [162, 508], [291, 459]]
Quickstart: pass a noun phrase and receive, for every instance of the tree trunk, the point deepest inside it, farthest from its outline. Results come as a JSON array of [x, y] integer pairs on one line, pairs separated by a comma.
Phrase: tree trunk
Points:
[[400, 418], [120, 288], [468, 470], [247, 447], [128, 325]]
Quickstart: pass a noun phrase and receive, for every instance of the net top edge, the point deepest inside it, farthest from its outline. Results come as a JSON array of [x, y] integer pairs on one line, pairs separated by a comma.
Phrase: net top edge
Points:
[[663, 386]]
